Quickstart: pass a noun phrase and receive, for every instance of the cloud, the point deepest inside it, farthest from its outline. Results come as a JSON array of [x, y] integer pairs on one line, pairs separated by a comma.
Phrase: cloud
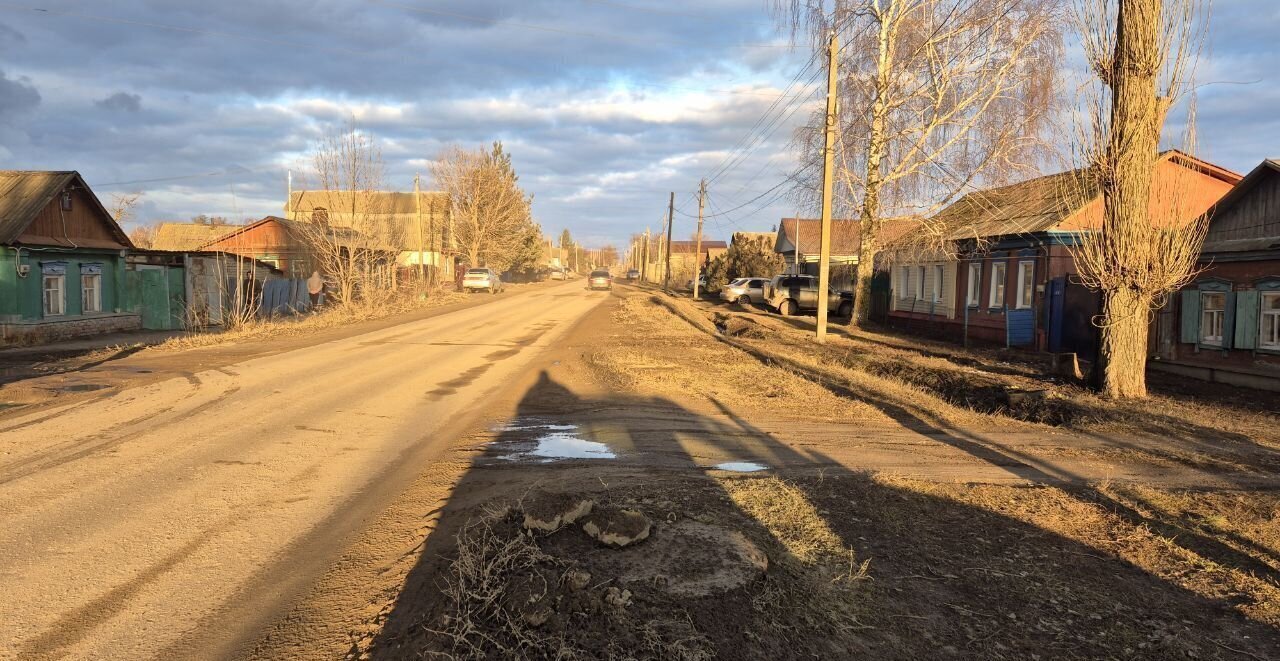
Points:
[[121, 101], [17, 95]]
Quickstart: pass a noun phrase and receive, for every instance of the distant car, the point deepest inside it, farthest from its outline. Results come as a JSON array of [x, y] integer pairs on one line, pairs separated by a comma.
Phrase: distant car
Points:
[[702, 283], [482, 279], [557, 274], [600, 280], [745, 291], [633, 275], [791, 294]]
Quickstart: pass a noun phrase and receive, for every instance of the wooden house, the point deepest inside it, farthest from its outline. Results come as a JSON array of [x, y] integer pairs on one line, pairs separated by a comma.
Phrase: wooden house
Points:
[[1225, 325], [1009, 276], [62, 268]]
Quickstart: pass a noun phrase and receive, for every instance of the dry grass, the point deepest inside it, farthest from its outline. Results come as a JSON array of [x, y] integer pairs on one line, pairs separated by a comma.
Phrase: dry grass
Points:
[[788, 515], [305, 324], [676, 358]]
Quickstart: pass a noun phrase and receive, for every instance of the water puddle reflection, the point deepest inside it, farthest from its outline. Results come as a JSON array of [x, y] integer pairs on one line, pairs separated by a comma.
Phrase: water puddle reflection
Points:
[[740, 466], [528, 439]]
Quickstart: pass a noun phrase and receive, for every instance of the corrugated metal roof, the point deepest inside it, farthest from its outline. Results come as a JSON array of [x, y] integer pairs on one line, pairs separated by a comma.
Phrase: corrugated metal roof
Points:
[[846, 235], [188, 236]]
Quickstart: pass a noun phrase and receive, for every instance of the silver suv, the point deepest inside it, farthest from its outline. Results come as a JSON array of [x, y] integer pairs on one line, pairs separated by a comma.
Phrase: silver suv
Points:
[[482, 280], [745, 291], [790, 294]]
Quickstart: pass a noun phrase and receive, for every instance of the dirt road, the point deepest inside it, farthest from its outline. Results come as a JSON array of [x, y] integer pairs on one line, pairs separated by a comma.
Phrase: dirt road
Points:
[[175, 519]]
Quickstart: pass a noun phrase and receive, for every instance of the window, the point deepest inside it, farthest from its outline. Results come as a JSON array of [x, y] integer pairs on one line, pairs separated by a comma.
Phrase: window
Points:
[[90, 293], [996, 298], [1026, 284], [937, 283], [1269, 322], [1213, 306], [920, 285], [975, 285], [906, 281], [55, 300]]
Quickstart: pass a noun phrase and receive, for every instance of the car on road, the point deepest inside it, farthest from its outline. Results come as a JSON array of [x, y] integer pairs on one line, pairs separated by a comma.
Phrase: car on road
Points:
[[633, 275], [482, 279], [600, 280], [744, 291], [792, 294], [557, 274]]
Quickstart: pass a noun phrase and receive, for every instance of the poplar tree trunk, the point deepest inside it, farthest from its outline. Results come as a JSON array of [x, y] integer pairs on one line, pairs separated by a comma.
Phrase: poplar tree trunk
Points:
[[1137, 114]]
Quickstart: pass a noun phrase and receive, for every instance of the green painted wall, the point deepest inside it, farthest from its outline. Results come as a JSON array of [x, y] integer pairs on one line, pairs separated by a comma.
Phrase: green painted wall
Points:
[[24, 296]]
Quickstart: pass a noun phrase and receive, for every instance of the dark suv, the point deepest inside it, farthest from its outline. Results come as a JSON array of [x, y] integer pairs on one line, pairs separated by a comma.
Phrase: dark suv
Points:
[[790, 294]]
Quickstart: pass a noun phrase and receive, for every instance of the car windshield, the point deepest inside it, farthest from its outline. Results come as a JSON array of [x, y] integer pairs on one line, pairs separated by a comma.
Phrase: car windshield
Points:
[[599, 274], [477, 271], [737, 282]]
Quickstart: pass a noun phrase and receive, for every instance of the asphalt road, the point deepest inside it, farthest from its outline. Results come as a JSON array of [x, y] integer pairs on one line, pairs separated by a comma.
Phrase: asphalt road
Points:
[[177, 519]]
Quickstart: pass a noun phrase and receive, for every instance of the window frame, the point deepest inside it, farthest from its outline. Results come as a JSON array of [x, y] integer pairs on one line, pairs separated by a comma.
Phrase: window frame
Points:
[[1263, 314], [994, 301], [1219, 317], [1025, 293], [939, 277], [973, 295], [920, 283], [90, 282], [61, 279]]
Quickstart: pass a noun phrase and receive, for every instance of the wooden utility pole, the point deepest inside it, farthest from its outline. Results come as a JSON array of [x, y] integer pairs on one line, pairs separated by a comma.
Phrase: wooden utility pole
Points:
[[417, 205], [697, 250], [671, 213], [828, 154], [644, 267]]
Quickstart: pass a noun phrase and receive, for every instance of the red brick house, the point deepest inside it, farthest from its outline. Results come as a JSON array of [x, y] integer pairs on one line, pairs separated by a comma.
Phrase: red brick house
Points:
[[1225, 325]]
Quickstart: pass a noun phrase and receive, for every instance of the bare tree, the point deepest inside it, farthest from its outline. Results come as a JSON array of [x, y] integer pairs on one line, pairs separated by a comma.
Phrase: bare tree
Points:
[[936, 96], [1143, 53], [143, 236], [350, 233], [491, 214]]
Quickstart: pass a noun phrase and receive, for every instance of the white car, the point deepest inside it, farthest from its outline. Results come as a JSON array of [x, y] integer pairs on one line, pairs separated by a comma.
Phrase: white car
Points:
[[744, 291], [481, 280]]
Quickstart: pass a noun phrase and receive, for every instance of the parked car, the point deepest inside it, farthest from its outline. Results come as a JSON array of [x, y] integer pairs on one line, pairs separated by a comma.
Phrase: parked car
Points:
[[790, 294], [702, 283], [482, 279], [557, 274], [744, 291], [600, 280], [633, 275]]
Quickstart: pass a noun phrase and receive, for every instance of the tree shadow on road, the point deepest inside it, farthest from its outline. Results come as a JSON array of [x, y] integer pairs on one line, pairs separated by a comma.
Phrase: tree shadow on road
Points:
[[962, 572]]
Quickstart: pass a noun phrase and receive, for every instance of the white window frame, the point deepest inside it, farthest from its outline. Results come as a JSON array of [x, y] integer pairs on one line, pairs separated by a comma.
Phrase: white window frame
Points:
[[90, 293], [920, 283], [1212, 320], [938, 278], [995, 294], [974, 293], [1026, 284], [61, 299], [906, 282], [1269, 342]]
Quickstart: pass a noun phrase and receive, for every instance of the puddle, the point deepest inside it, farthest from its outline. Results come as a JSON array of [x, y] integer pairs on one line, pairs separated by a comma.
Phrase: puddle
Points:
[[82, 387], [740, 466], [536, 440]]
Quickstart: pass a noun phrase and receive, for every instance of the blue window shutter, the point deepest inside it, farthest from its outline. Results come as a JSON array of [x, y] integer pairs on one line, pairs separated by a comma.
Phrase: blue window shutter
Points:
[[1190, 316], [1247, 305], [1228, 320]]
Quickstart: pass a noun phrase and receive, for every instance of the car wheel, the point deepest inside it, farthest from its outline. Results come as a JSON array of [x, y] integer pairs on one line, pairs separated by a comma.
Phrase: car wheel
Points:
[[785, 308], [744, 301], [845, 311]]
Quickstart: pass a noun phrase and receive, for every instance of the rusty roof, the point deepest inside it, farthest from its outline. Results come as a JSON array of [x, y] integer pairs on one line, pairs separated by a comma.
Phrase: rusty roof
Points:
[[188, 236], [846, 234], [690, 246]]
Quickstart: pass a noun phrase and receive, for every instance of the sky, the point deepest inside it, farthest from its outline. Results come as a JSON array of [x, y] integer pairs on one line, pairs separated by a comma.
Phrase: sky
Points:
[[606, 106]]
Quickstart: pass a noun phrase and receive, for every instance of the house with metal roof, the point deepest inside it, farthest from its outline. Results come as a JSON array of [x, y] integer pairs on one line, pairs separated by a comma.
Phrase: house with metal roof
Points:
[[62, 269], [1225, 325], [1007, 275]]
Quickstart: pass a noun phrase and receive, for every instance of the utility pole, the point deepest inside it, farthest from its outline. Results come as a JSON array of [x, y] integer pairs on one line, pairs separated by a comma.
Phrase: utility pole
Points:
[[828, 158], [671, 214], [697, 250], [417, 206], [644, 266]]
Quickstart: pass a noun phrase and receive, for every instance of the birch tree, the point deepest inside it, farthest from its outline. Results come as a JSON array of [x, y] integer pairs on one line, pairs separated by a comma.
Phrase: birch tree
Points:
[[936, 98], [491, 214], [1143, 54]]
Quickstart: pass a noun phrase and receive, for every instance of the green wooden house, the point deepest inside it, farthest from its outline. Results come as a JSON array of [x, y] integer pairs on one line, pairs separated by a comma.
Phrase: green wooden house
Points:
[[62, 263]]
